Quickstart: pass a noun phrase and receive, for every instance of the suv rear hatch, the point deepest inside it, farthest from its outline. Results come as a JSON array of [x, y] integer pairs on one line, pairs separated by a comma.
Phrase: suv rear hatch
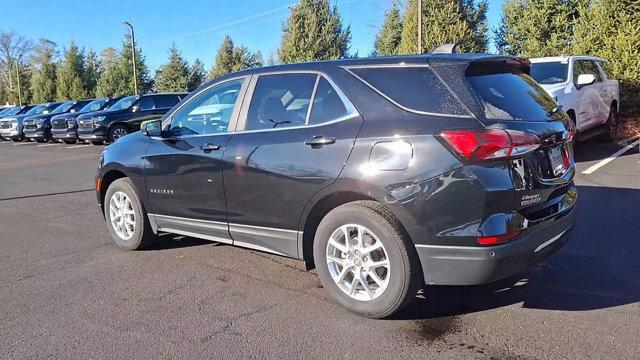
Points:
[[502, 96]]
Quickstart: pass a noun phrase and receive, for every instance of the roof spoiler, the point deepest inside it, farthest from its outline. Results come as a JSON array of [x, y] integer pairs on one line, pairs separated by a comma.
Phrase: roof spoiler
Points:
[[445, 49]]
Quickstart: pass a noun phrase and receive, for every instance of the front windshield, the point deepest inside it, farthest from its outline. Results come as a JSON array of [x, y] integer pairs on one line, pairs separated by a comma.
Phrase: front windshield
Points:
[[549, 72], [5, 111], [13, 111], [63, 108], [95, 105], [124, 103], [37, 110]]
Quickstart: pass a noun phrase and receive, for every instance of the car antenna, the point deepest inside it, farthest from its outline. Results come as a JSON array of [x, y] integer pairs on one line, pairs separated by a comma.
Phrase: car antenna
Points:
[[449, 48]]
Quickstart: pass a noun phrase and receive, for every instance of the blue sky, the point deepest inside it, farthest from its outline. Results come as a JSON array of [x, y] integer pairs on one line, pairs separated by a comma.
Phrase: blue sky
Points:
[[196, 26]]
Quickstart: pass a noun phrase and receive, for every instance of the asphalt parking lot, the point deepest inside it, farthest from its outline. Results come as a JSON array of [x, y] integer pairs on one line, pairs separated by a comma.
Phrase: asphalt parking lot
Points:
[[67, 292]]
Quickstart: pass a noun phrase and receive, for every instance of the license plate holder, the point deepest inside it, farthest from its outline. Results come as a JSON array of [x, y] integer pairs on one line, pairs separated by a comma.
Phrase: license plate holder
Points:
[[556, 160]]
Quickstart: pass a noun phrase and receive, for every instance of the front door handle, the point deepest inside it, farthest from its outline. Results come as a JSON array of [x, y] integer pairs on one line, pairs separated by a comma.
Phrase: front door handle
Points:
[[210, 147], [320, 141]]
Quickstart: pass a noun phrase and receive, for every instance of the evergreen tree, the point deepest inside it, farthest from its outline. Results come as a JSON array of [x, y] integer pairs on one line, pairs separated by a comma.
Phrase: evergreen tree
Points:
[[388, 39], [197, 75], [126, 86], [92, 73], [314, 31], [230, 58], [70, 83], [174, 75], [109, 79], [43, 79], [537, 27], [445, 21], [224, 58], [611, 29]]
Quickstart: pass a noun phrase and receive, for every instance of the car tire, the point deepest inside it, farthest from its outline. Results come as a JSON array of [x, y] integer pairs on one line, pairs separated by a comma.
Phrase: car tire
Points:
[[126, 217], [16, 140], [116, 132], [69, 142], [611, 127], [97, 142], [41, 141], [372, 222]]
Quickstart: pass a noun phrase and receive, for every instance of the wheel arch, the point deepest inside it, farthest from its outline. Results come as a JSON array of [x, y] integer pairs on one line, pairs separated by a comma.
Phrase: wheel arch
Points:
[[317, 209], [111, 173]]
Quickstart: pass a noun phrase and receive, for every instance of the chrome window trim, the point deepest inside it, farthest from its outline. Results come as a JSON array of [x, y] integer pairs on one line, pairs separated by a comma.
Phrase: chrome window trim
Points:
[[352, 112], [312, 99], [348, 69]]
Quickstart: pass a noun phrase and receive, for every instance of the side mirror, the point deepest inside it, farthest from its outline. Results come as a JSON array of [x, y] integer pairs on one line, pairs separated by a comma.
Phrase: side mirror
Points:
[[586, 79], [151, 128], [135, 108]]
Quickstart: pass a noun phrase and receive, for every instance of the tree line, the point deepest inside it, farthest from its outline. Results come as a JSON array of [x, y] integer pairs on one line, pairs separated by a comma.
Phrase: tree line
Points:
[[315, 30], [531, 28]]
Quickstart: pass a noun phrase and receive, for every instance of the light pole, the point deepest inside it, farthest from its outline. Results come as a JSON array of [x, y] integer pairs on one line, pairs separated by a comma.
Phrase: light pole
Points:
[[133, 50], [18, 80]]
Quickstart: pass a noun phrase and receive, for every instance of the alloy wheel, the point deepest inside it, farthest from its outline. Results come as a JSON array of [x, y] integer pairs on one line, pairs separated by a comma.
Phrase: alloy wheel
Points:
[[118, 133], [358, 262], [122, 215]]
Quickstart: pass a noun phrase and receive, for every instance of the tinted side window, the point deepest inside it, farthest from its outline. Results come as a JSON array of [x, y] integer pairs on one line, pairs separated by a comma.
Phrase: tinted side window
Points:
[[415, 88], [327, 104], [146, 103], [166, 101], [209, 112], [280, 101]]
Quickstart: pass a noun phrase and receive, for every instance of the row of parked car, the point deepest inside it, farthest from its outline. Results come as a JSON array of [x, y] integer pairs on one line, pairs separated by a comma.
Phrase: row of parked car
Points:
[[95, 120]]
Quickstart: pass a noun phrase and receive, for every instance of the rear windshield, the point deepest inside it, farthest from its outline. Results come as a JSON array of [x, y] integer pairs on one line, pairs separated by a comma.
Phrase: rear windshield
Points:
[[549, 72], [414, 88], [511, 95]]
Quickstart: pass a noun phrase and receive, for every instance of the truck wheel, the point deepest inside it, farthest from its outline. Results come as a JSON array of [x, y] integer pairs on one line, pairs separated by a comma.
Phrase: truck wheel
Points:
[[116, 132], [611, 127], [69, 142], [126, 217], [41, 140], [97, 143], [365, 260]]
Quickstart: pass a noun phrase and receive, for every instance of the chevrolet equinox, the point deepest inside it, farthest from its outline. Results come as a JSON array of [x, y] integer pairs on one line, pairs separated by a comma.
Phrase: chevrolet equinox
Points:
[[383, 174]]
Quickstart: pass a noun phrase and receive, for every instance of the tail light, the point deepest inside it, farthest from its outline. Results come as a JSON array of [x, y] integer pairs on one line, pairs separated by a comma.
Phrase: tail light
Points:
[[497, 239], [490, 144]]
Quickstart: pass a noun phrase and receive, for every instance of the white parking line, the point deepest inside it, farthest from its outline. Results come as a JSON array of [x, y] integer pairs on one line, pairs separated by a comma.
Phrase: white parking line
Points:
[[604, 162], [24, 143], [54, 144], [78, 146]]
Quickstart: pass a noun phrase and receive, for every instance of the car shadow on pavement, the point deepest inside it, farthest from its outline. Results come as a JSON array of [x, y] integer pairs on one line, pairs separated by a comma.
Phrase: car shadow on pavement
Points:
[[598, 267], [592, 151], [170, 241]]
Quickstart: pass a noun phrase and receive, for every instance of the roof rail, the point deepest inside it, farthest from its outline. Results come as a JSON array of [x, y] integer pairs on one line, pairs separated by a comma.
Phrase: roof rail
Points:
[[445, 49]]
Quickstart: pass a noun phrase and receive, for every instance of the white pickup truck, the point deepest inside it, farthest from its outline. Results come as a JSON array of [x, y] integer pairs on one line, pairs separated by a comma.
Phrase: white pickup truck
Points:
[[584, 90]]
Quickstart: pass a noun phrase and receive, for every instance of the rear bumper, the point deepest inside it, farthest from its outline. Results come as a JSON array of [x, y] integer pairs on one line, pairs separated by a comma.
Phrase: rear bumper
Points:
[[462, 265]]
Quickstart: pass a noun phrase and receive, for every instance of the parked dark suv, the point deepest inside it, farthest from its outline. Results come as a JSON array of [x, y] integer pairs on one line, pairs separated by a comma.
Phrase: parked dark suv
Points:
[[64, 126], [384, 174], [125, 116], [12, 127], [38, 127]]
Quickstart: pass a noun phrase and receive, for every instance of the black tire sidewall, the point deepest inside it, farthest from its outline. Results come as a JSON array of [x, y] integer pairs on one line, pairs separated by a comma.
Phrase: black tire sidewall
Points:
[[124, 185], [393, 295]]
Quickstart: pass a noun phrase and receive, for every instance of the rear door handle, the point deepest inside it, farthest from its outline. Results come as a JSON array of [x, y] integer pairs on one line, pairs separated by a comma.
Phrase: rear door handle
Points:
[[319, 141], [210, 147]]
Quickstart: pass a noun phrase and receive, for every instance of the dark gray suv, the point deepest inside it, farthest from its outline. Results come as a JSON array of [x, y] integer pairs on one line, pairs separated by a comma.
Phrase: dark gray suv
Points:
[[384, 174]]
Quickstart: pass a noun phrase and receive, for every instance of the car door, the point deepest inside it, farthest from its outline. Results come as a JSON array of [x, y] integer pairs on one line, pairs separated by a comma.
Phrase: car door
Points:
[[588, 111], [295, 132], [184, 168]]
